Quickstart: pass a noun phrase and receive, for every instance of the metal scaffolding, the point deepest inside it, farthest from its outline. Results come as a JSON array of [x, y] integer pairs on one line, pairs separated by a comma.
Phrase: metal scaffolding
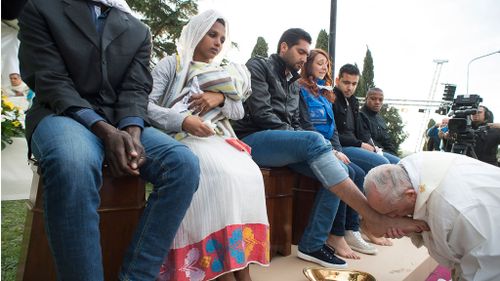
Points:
[[430, 99]]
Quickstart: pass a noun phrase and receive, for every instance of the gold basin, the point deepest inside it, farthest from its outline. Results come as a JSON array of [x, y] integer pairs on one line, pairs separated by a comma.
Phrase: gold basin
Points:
[[330, 274]]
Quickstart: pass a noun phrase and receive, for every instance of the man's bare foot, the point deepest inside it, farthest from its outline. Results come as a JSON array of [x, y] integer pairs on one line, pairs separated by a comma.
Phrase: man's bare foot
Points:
[[341, 247], [376, 240], [368, 236]]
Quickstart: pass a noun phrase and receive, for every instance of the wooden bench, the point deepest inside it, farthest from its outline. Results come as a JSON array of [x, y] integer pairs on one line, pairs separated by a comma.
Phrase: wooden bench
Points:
[[122, 203], [289, 199], [304, 193], [279, 184]]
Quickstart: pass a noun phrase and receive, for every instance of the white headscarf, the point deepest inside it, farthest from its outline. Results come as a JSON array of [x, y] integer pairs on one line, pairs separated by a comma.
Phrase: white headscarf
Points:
[[191, 35], [119, 4]]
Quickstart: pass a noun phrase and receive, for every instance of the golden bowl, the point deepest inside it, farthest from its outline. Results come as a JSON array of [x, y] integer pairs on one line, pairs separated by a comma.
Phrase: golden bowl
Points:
[[330, 274]]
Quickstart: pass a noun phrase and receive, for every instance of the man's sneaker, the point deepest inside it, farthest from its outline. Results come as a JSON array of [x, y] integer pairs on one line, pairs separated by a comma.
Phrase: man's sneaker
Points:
[[356, 242], [324, 257]]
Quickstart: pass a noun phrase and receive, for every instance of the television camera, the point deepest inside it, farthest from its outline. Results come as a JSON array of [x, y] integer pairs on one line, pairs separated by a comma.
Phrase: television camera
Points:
[[462, 135]]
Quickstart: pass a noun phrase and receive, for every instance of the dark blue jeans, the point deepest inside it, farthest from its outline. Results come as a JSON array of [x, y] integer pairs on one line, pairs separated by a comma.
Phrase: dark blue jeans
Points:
[[310, 154], [392, 158], [71, 159], [347, 218], [365, 159]]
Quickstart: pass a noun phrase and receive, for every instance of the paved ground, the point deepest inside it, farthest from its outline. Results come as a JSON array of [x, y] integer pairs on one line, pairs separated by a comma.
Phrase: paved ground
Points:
[[401, 262], [16, 173]]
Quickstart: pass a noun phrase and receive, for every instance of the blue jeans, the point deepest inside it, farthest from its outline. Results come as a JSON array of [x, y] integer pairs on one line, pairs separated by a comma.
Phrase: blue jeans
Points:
[[365, 159], [392, 159], [71, 159], [310, 154], [347, 218]]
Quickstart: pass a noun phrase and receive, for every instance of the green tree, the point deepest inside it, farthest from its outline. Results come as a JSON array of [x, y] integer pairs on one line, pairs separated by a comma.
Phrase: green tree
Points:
[[395, 125], [366, 80], [368, 73], [165, 18], [361, 88], [260, 48], [322, 41]]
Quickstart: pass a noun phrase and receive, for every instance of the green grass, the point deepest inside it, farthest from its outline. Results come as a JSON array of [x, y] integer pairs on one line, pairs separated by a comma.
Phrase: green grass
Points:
[[13, 217]]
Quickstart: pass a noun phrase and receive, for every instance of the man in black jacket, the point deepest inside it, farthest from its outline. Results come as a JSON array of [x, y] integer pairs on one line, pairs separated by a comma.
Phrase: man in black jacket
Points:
[[487, 139], [354, 134], [88, 63], [271, 127], [369, 114]]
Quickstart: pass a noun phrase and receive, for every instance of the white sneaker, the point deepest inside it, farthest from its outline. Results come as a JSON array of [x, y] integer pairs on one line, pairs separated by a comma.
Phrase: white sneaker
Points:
[[356, 242]]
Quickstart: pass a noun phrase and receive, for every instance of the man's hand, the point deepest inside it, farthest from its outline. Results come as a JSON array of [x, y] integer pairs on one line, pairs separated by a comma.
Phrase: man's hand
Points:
[[367, 146], [136, 156], [494, 125], [119, 148], [195, 126], [342, 157], [203, 103]]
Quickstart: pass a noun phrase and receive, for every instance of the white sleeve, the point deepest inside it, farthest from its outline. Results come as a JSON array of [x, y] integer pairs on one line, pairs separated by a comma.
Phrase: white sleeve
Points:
[[233, 109], [161, 117]]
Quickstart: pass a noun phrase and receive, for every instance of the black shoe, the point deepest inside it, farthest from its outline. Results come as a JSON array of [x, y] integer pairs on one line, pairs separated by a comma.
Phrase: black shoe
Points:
[[324, 257]]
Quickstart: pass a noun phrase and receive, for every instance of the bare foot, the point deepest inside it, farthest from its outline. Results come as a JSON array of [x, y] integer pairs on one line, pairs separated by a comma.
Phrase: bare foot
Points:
[[368, 236], [376, 240], [341, 247]]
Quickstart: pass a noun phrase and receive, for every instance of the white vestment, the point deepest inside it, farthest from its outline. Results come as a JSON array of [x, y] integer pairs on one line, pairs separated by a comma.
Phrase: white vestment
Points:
[[459, 198]]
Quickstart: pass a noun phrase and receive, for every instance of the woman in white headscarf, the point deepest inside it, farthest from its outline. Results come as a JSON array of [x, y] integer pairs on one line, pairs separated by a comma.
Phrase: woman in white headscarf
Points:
[[226, 227]]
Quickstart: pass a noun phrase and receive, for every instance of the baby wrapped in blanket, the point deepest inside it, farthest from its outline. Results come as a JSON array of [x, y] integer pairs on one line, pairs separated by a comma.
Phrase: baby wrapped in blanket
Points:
[[231, 79]]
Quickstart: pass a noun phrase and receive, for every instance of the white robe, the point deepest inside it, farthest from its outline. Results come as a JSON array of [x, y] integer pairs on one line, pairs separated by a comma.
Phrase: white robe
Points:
[[459, 198]]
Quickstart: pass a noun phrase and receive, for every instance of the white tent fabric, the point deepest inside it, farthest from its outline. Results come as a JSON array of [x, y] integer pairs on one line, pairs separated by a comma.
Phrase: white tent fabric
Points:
[[10, 47], [16, 173]]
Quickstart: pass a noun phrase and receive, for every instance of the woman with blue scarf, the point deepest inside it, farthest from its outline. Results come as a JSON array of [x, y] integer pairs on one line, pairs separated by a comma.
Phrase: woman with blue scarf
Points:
[[317, 115]]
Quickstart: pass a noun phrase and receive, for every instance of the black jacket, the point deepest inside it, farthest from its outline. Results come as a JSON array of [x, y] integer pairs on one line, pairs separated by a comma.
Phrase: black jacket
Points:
[[486, 146], [362, 133], [378, 130], [67, 64], [274, 103]]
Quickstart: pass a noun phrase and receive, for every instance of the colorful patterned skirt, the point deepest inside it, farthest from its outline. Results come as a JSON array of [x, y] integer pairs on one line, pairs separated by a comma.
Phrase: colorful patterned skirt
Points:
[[226, 227]]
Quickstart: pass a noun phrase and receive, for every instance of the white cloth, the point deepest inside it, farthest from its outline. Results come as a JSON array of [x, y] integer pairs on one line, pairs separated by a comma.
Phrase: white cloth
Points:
[[16, 173], [10, 47], [170, 74], [231, 191], [191, 35], [170, 120], [459, 198]]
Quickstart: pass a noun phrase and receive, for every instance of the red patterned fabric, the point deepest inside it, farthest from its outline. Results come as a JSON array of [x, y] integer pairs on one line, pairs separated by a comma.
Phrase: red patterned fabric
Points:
[[229, 249]]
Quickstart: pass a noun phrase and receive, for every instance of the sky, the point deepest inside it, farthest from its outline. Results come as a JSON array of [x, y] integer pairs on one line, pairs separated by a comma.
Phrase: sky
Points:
[[404, 37]]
